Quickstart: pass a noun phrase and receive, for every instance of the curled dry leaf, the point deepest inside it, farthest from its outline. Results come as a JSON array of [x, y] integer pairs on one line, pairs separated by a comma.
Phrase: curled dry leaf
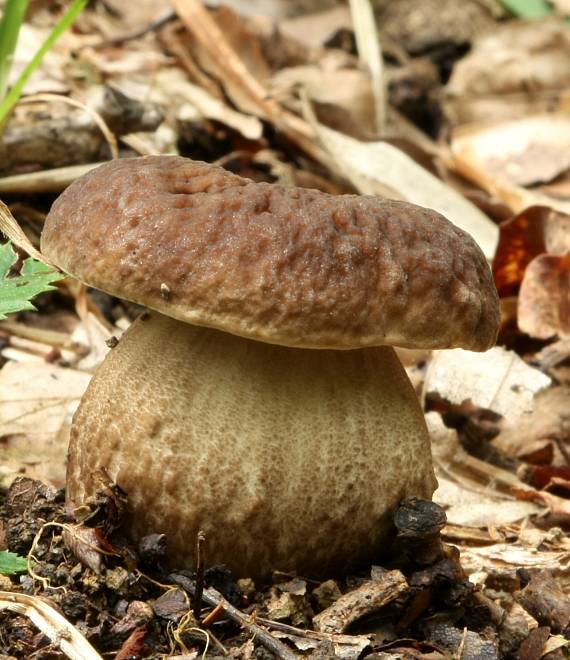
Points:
[[83, 542], [344, 88], [514, 70], [549, 421], [498, 380], [171, 89], [472, 492], [504, 157], [532, 232], [51, 623], [544, 298]]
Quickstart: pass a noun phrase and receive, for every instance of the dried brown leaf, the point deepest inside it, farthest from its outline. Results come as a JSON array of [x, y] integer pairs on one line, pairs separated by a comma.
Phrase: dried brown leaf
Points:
[[36, 404], [315, 29], [498, 380], [521, 238], [473, 493], [544, 298], [516, 69], [247, 91], [501, 156], [549, 421]]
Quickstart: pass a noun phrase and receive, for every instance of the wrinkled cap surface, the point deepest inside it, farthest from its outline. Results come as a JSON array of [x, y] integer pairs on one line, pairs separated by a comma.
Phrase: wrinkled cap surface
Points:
[[288, 266]]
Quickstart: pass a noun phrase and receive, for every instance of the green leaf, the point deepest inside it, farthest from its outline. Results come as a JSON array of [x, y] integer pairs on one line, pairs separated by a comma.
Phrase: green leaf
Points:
[[11, 563], [17, 291], [528, 8]]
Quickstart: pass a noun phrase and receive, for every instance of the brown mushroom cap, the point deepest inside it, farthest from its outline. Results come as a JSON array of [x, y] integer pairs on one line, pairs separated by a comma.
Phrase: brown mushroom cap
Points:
[[287, 266]]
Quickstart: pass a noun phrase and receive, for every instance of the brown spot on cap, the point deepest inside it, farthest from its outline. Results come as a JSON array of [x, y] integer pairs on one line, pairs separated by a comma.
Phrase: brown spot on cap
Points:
[[288, 266]]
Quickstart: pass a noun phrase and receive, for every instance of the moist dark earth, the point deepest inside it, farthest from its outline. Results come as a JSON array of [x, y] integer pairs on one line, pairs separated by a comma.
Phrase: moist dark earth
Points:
[[416, 603]]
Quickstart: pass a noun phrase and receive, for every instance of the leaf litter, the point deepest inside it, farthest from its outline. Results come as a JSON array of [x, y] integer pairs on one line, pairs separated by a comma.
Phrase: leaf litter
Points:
[[254, 87]]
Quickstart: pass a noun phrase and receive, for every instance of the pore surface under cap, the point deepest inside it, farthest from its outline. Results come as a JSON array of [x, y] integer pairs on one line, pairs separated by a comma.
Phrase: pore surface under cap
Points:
[[288, 266]]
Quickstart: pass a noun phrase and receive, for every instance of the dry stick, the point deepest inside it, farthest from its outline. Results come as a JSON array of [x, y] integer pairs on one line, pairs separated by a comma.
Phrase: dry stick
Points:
[[232, 68], [214, 598], [336, 638], [200, 564], [54, 180], [212, 616]]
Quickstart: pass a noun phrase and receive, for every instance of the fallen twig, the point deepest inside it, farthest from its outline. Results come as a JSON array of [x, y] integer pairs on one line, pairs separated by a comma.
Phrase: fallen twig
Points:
[[200, 565], [215, 599]]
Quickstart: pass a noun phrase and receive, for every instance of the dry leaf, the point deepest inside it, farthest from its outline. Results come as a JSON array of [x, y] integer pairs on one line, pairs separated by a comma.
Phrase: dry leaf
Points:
[[504, 559], [188, 102], [50, 76], [378, 168], [273, 8], [123, 18], [468, 488], [503, 157], [227, 66], [517, 69], [344, 88], [498, 380], [544, 298], [315, 29], [420, 27], [51, 623], [535, 230], [10, 227], [555, 642], [37, 401]]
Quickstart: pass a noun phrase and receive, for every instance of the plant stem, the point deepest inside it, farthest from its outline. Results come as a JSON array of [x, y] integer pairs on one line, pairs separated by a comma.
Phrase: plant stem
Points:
[[10, 24], [63, 24]]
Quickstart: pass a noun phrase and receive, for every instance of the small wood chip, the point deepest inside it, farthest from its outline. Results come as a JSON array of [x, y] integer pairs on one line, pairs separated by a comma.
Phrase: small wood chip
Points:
[[366, 599]]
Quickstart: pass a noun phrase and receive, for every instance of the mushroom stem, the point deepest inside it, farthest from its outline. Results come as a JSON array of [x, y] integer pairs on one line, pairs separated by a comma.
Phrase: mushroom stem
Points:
[[287, 458]]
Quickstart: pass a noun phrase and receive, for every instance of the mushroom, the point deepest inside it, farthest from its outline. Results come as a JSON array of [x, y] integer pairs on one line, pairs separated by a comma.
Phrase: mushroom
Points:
[[261, 400]]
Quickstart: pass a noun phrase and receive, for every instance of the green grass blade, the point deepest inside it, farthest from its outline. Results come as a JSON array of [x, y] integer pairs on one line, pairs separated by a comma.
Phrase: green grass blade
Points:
[[14, 13], [528, 8], [64, 23]]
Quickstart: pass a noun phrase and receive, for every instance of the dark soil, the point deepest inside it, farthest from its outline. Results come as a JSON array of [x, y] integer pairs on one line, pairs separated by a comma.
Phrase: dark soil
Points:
[[419, 604]]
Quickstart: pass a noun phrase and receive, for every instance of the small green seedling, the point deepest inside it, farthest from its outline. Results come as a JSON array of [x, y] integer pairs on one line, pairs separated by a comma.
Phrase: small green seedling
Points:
[[17, 290]]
